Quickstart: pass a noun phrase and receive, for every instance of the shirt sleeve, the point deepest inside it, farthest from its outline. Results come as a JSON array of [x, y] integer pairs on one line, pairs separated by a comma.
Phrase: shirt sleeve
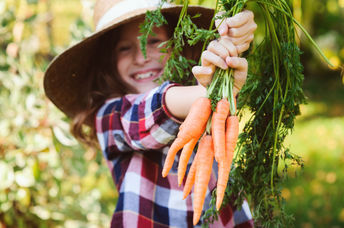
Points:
[[136, 122]]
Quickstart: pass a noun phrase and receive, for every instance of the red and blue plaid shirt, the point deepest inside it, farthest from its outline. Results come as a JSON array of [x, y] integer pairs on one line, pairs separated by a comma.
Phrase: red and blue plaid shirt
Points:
[[134, 133]]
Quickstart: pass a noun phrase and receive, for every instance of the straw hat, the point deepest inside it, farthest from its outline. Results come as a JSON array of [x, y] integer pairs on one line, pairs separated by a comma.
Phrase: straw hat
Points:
[[66, 75]]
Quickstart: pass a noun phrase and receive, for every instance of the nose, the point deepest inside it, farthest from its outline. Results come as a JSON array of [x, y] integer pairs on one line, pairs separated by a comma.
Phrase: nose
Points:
[[139, 57]]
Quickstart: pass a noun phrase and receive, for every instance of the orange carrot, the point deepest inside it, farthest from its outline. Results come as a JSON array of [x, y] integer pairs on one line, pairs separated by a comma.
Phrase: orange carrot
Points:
[[184, 158], [192, 127], [190, 180], [223, 175], [218, 123], [218, 132], [232, 133], [203, 173]]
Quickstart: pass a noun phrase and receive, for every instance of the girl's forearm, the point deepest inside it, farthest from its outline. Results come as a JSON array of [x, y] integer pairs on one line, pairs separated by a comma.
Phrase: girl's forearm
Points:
[[180, 98]]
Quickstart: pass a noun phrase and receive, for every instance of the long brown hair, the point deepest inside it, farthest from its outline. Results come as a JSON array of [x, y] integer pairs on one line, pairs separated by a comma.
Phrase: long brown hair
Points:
[[103, 83]]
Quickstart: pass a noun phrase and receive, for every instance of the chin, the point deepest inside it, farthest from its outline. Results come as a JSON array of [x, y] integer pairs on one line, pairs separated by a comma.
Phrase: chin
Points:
[[145, 87]]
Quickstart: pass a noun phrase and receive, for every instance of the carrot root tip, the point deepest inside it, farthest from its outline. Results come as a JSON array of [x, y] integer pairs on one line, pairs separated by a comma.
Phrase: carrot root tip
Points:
[[164, 174], [218, 206], [196, 218], [184, 196]]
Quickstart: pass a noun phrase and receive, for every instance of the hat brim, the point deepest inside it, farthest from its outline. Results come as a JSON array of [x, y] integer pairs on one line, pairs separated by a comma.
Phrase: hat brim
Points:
[[66, 76]]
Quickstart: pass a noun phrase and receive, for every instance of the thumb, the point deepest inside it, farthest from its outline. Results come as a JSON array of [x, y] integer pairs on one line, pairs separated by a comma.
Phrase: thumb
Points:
[[203, 74]]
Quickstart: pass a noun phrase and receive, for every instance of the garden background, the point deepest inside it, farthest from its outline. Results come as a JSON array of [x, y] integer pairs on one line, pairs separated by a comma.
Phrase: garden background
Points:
[[48, 180]]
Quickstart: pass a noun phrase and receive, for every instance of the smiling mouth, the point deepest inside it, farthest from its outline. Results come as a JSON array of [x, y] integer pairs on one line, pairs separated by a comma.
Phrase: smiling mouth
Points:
[[148, 75]]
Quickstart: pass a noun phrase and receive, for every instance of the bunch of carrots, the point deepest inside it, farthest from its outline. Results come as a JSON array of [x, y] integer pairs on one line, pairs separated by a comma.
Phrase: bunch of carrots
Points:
[[213, 122], [279, 93]]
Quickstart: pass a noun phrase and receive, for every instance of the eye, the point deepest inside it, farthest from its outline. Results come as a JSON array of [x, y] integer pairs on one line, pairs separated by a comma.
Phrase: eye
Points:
[[123, 48], [154, 40]]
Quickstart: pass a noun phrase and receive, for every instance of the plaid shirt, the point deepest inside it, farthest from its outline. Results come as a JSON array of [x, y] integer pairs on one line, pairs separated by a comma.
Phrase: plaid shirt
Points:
[[134, 132]]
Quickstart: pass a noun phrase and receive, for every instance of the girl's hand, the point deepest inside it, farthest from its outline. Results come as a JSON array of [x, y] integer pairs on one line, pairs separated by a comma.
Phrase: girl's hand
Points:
[[215, 56], [204, 74], [240, 73], [239, 29], [221, 53]]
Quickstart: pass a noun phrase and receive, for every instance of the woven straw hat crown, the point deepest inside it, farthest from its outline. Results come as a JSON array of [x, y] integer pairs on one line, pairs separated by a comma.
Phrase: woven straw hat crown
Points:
[[67, 75]]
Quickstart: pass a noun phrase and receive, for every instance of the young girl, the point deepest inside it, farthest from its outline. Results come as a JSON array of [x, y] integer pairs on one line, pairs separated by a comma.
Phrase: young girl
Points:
[[105, 83]]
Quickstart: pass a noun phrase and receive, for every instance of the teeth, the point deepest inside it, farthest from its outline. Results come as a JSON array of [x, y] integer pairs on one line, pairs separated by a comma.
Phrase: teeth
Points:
[[144, 75]]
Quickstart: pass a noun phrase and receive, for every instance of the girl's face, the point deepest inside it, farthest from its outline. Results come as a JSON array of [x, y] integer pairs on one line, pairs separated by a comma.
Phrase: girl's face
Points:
[[136, 71]]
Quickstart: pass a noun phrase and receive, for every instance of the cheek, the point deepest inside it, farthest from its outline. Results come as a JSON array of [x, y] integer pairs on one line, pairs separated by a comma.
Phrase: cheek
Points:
[[166, 56], [121, 66], [160, 57]]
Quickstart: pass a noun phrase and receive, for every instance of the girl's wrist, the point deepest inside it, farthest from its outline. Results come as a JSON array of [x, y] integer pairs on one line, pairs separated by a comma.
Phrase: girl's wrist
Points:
[[202, 89], [178, 99]]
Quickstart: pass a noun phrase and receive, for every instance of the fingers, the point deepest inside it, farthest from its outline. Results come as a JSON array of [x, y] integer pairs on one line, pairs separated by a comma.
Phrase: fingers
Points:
[[240, 74], [249, 27], [243, 47], [229, 46], [223, 47], [239, 28], [237, 63], [209, 58], [241, 40], [217, 51], [239, 80], [217, 48], [221, 24], [203, 74], [238, 25], [223, 54], [240, 19]]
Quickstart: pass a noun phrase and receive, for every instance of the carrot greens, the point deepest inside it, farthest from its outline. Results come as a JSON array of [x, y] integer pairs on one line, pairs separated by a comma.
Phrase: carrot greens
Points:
[[178, 66]]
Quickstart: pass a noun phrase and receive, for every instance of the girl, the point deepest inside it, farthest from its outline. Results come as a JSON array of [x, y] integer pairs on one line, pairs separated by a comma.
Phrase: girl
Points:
[[105, 83]]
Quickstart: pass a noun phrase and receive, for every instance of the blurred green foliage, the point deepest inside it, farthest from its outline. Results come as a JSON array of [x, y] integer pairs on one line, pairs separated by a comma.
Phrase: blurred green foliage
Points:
[[49, 180]]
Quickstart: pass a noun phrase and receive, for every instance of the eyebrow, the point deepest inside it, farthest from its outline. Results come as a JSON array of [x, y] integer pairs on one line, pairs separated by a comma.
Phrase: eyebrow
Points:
[[122, 42]]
